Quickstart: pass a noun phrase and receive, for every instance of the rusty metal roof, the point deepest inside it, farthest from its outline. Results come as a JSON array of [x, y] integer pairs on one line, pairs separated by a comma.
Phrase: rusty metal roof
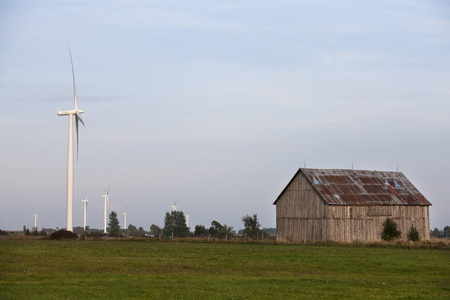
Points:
[[361, 187]]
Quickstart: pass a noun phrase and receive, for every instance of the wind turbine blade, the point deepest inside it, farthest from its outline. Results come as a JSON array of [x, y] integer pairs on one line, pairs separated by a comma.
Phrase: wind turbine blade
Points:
[[109, 186], [76, 124], [73, 76], [79, 118]]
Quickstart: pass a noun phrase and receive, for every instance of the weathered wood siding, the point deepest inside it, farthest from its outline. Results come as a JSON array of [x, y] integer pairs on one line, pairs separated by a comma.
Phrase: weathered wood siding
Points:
[[303, 216], [365, 223], [300, 213]]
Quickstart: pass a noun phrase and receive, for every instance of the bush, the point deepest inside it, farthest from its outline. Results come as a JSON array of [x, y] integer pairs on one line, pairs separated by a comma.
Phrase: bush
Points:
[[63, 234], [413, 234], [390, 230]]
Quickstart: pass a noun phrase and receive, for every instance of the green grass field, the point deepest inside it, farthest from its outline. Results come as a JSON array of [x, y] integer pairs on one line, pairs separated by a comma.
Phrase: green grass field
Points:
[[126, 269]]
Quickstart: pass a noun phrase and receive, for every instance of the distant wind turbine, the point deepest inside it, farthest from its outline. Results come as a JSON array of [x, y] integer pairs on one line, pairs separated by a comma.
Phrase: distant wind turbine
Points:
[[174, 206], [74, 112], [187, 221], [85, 202], [125, 220], [35, 221], [106, 196]]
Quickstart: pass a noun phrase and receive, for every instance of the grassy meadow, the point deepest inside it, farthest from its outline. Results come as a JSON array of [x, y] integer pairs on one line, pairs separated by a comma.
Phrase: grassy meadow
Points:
[[139, 269]]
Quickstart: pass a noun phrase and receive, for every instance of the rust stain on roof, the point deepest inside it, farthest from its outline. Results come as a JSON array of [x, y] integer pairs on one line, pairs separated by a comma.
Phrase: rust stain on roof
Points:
[[361, 187]]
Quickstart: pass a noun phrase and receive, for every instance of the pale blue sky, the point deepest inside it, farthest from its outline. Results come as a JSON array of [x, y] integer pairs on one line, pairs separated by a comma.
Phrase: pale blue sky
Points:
[[216, 104]]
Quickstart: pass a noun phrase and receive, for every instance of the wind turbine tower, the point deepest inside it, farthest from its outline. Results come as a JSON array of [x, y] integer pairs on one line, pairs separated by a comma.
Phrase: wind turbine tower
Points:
[[187, 221], [73, 112], [85, 202], [35, 221], [106, 196], [125, 220]]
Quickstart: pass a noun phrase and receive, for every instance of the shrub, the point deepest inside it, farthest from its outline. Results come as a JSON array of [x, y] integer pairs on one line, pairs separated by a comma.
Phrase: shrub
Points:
[[63, 234], [413, 234], [390, 230]]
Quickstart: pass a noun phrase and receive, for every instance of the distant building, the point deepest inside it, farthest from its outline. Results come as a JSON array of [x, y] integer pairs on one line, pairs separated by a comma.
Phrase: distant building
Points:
[[348, 206]]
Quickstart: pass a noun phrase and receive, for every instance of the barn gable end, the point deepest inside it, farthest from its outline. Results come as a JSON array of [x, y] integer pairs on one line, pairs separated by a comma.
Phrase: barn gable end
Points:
[[348, 206]]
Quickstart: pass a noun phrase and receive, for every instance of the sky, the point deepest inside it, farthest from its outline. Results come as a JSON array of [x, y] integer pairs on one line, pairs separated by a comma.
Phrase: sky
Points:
[[215, 105]]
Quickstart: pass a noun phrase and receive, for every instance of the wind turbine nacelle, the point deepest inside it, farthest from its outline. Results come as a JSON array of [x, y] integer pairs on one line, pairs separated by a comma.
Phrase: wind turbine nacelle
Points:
[[69, 112]]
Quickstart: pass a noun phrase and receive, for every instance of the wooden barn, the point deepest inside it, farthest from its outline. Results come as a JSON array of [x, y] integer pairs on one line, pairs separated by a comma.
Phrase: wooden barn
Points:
[[348, 206]]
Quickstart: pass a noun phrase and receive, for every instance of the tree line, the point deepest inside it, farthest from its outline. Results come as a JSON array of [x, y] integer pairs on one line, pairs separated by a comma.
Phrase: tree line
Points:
[[175, 227], [34, 231], [444, 233]]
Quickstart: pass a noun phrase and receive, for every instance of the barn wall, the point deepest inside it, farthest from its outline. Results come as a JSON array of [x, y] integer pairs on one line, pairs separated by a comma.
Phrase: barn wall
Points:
[[303, 216], [300, 213], [365, 223]]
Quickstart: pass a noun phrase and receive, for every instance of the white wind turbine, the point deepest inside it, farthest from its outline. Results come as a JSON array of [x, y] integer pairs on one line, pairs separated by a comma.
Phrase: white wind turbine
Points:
[[174, 206], [74, 112], [125, 220], [35, 221], [187, 221], [106, 196], [85, 202]]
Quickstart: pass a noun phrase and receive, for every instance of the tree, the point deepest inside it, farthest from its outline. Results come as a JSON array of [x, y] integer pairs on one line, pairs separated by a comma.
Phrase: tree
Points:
[[390, 230], [26, 230], [175, 223], [226, 231], [155, 229], [141, 231], [215, 228], [251, 226], [200, 230], [447, 231], [413, 234], [220, 231], [132, 230], [113, 225], [436, 233]]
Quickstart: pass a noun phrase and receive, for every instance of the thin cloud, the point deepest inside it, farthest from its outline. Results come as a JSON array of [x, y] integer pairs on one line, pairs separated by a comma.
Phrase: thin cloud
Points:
[[343, 58]]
